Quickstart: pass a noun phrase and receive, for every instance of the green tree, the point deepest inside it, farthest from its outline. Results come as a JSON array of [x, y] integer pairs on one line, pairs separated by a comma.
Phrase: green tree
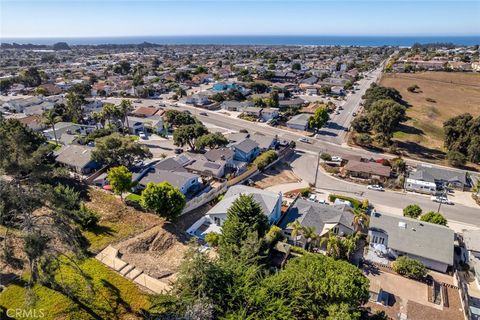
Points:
[[74, 104], [213, 239], [211, 140], [265, 159], [385, 116], [412, 211], [163, 199], [296, 66], [333, 245], [120, 178], [297, 230], [178, 118], [455, 158], [363, 139], [319, 118], [434, 217], [115, 149], [325, 90], [51, 118], [361, 124], [188, 135], [375, 93], [244, 216], [409, 267], [125, 107]]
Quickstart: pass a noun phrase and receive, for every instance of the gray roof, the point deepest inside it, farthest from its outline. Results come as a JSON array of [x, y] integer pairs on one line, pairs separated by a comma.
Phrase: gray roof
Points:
[[433, 174], [75, 156], [311, 214], [266, 199], [170, 164], [264, 142], [175, 178], [204, 166], [237, 136], [246, 146], [419, 238], [472, 239], [300, 119], [219, 154]]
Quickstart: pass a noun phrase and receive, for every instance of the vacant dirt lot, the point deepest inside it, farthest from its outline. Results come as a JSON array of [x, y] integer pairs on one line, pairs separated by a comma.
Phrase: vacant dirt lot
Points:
[[441, 95], [279, 174]]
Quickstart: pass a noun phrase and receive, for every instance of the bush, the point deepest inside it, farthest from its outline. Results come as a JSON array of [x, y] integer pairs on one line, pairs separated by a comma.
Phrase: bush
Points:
[[274, 235], [357, 204], [326, 157], [413, 88], [305, 192], [213, 239], [87, 218], [363, 139], [412, 211], [409, 268], [265, 159], [455, 158], [434, 217]]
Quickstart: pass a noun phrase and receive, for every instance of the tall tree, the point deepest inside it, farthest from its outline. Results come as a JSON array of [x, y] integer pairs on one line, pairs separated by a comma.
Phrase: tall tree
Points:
[[115, 149], [319, 118], [188, 135], [125, 107], [51, 118]]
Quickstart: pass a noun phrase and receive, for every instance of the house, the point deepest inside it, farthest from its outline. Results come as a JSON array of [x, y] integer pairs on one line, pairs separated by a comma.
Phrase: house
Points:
[[270, 202], [146, 112], [201, 165], [337, 90], [429, 243], [232, 105], [299, 121], [78, 158], [67, 132], [224, 154], [264, 142], [246, 150], [420, 186], [253, 111], [325, 218], [136, 124], [267, 114], [311, 91], [367, 170], [283, 77], [442, 177], [184, 181], [471, 239], [291, 103], [198, 99]]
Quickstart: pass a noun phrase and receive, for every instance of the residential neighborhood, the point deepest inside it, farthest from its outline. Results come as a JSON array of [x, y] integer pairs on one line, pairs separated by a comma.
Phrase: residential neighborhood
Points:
[[171, 168]]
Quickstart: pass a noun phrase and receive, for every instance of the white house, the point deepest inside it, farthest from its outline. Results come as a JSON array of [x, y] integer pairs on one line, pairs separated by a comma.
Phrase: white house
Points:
[[270, 202], [429, 243], [471, 238]]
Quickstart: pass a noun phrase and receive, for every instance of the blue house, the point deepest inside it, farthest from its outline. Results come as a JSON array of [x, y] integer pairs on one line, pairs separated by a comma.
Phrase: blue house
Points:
[[225, 86], [246, 150]]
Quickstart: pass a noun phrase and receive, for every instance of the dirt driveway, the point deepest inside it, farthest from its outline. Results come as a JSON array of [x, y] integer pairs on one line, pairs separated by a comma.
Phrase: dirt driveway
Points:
[[278, 174]]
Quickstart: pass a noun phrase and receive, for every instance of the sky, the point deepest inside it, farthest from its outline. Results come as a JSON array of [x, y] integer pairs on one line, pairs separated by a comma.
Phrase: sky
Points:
[[99, 18]]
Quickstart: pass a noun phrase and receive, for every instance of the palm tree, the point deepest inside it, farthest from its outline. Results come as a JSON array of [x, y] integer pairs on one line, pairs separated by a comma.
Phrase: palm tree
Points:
[[333, 245], [360, 220], [98, 117], [125, 108], [311, 235], [349, 244], [50, 118], [296, 230], [180, 92]]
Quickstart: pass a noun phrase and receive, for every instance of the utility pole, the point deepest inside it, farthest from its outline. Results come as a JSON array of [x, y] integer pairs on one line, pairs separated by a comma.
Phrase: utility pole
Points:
[[444, 195]]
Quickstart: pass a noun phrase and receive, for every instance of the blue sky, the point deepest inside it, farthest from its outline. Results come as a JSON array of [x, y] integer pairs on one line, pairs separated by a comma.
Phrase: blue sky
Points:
[[87, 18]]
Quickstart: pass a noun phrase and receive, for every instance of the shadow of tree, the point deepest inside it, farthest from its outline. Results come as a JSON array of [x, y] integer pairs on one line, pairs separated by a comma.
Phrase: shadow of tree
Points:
[[409, 129], [421, 151], [102, 230]]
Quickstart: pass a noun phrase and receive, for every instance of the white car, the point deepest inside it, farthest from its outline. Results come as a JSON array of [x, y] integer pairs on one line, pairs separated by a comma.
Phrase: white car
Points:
[[441, 199], [312, 198], [304, 140], [375, 187], [142, 135], [336, 159]]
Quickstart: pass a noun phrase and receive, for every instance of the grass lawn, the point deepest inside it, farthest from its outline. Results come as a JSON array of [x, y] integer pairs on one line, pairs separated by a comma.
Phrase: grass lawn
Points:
[[441, 96], [108, 296]]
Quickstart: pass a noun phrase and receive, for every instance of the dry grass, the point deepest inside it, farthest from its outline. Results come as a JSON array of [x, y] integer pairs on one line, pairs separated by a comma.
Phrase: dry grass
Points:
[[279, 174], [442, 95]]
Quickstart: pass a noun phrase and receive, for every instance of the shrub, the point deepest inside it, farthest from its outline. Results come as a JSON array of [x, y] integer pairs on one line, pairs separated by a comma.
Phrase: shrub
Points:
[[431, 100], [265, 159], [434, 217], [455, 158], [326, 157], [87, 218], [412, 211], [413, 88], [409, 267], [357, 204], [363, 139], [213, 239], [305, 192], [274, 234]]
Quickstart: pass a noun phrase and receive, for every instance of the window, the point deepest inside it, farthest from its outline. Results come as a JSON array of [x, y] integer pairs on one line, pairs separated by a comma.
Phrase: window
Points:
[[335, 230], [217, 221]]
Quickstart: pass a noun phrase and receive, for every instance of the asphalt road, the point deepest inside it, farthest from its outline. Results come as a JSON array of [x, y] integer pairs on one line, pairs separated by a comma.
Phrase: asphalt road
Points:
[[336, 129]]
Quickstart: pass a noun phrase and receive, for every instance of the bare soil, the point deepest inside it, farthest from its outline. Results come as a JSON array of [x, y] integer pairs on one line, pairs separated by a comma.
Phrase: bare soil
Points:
[[278, 174]]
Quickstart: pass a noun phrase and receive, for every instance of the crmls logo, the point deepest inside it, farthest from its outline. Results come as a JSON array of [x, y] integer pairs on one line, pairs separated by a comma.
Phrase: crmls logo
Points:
[[24, 313]]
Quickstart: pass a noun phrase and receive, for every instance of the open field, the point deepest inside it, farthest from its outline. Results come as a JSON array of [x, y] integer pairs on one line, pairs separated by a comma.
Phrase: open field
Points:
[[278, 174], [441, 95]]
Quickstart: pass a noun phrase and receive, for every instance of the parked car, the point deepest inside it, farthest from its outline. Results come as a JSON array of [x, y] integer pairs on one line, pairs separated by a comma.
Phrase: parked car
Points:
[[336, 159], [312, 198], [304, 140], [137, 101], [203, 113], [142, 135], [178, 150], [441, 199], [375, 187]]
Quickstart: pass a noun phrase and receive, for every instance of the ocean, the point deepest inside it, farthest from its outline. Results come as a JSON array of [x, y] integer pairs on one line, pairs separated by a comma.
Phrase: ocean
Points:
[[402, 41]]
